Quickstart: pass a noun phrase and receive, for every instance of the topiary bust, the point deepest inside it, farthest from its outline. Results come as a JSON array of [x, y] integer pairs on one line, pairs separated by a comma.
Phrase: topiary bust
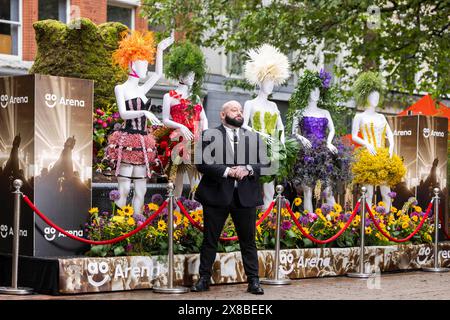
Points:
[[80, 50]]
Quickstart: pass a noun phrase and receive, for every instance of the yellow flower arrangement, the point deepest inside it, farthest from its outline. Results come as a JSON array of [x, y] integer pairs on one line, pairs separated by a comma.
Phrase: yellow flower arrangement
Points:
[[368, 230], [377, 169], [337, 207], [118, 219]]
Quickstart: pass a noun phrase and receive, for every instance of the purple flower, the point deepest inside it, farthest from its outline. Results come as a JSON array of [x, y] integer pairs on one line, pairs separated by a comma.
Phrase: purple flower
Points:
[[380, 209], [367, 221], [326, 208], [304, 220], [116, 115], [129, 247], [312, 216], [225, 234], [392, 194], [157, 199], [114, 195], [325, 77], [286, 225], [139, 217], [308, 159]]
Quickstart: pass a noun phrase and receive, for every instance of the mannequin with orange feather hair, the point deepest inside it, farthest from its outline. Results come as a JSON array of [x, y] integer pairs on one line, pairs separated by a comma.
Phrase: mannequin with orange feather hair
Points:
[[131, 147]]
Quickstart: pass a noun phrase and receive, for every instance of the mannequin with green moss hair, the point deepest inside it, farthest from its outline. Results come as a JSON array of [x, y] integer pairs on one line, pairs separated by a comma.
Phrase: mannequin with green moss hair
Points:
[[375, 164], [183, 111]]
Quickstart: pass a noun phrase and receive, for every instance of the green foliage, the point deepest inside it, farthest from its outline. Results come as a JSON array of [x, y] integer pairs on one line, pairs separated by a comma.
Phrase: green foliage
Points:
[[183, 58], [366, 83], [406, 35], [80, 52]]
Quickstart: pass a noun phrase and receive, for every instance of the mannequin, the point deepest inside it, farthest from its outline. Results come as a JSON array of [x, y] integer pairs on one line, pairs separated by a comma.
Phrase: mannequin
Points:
[[260, 113], [266, 68], [171, 100], [321, 119], [374, 163], [368, 119], [132, 147]]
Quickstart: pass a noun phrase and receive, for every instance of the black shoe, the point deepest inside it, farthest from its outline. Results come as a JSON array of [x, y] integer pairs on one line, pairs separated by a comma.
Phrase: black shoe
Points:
[[254, 286], [201, 285]]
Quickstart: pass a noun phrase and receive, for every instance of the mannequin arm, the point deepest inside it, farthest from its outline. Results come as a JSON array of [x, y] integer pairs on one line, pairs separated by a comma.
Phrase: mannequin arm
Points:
[[166, 114], [331, 129], [155, 76], [280, 126], [355, 130], [247, 112], [204, 119], [390, 138]]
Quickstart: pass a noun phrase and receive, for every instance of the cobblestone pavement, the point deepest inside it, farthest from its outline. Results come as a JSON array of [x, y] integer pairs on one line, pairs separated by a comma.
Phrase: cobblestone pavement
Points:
[[395, 286]]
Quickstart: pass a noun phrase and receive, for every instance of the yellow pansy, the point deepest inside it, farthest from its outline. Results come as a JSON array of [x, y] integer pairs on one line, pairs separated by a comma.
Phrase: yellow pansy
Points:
[[297, 215], [405, 225], [128, 210], [318, 211], [297, 201], [328, 224], [418, 209], [341, 225], [394, 210], [337, 207], [368, 230], [381, 204], [162, 226], [131, 221], [415, 218], [306, 230], [258, 229], [178, 217]]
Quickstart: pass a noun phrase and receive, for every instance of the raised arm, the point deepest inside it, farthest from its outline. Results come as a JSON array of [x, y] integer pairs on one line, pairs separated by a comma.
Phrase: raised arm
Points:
[[155, 76], [331, 133]]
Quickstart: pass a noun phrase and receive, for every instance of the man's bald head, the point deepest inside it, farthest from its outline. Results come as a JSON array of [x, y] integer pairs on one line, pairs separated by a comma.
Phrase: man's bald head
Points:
[[231, 113]]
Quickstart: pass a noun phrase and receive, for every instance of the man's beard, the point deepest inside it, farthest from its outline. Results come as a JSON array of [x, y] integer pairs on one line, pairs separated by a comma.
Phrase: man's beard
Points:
[[234, 122]]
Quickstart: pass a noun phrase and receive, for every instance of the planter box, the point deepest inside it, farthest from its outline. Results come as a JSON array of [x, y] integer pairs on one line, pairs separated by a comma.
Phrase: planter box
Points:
[[82, 275]]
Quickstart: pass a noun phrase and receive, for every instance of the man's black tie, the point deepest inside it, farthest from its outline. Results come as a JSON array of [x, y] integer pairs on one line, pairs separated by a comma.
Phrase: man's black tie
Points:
[[235, 141]]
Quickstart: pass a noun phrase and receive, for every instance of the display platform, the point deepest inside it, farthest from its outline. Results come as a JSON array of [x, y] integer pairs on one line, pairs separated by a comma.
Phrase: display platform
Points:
[[76, 275]]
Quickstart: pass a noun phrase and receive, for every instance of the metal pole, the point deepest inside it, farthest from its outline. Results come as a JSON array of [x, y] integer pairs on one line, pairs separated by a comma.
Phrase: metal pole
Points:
[[170, 281], [361, 273], [436, 267], [17, 184], [276, 264]]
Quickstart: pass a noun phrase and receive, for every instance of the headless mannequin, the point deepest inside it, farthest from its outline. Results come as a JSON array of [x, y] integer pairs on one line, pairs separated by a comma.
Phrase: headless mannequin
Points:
[[128, 90], [313, 111], [184, 90], [371, 116], [262, 105]]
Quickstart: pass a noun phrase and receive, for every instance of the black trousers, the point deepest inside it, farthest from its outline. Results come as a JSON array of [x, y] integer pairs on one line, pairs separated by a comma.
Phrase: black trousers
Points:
[[244, 220]]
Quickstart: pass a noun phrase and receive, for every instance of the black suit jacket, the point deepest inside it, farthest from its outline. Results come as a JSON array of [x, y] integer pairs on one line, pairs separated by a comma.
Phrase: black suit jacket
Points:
[[214, 154]]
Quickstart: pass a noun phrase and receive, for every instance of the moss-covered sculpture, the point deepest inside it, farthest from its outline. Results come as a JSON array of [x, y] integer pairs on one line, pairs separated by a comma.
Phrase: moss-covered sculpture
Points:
[[81, 50]]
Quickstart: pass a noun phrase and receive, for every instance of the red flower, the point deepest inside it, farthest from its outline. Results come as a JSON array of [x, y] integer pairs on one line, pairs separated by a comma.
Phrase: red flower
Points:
[[163, 144], [198, 108]]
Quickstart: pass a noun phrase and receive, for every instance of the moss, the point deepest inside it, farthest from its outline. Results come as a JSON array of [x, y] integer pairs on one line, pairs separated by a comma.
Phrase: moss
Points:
[[83, 52]]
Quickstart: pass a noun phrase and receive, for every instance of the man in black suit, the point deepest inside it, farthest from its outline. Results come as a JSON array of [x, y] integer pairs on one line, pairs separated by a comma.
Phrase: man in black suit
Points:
[[231, 159]]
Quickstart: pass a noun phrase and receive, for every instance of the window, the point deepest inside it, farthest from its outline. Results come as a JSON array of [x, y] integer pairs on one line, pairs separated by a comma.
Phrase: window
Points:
[[122, 14], [235, 63], [53, 9], [10, 27]]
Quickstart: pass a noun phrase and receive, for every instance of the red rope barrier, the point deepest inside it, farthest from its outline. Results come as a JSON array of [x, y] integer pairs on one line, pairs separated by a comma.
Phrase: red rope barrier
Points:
[[200, 227], [408, 237], [337, 235], [129, 234]]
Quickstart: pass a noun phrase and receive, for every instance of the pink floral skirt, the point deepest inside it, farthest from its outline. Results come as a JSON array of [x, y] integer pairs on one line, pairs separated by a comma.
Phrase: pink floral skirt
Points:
[[132, 148]]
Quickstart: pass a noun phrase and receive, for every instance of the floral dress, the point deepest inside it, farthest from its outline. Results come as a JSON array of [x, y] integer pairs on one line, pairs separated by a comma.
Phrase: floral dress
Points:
[[171, 142], [379, 169]]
